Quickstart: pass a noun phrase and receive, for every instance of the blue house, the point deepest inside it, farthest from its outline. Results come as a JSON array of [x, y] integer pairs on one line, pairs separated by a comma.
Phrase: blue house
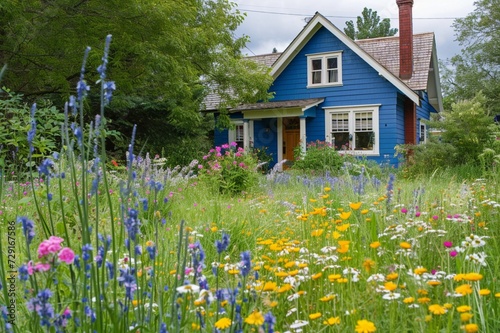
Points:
[[364, 96]]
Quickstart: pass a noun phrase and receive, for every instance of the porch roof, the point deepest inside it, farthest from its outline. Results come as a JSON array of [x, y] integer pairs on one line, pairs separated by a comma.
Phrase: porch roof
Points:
[[289, 108]]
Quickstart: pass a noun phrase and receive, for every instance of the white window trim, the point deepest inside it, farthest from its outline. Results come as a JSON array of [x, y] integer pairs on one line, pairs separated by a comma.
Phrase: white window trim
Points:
[[352, 110], [247, 134], [324, 74], [420, 134]]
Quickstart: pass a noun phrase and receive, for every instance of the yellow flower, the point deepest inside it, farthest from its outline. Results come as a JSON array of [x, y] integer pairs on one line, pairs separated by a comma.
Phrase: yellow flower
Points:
[[317, 276], [473, 277], [284, 288], [314, 316], [464, 289], [463, 308], [368, 264], [255, 318], [437, 309], [391, 286], [420, 270], [233, 271], [392, 276], [405, 245], [269, 286], [484, 292], [223, 323], [365, 211], [343, 227], [317, 232], [345, 215], [327, 189], [459, 277], [333, 277], [214, 229], [332, 321], [471, 328], [327, 298], [409, 300], [424, 300], [497, 295], [355, 205], [466, 316], [365, 326], [433, 283]]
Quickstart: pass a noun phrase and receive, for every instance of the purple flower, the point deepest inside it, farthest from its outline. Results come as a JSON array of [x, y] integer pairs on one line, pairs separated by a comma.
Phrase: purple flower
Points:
[[132, 224], [32, 131]]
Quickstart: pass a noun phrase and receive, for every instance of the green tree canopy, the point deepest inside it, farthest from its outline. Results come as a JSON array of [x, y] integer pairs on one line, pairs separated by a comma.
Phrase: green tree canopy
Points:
[[477, 68], [369, 25], [165, 56]]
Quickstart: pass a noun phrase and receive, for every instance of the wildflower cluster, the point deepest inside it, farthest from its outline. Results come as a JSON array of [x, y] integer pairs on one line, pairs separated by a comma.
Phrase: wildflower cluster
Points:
[[229, 169]]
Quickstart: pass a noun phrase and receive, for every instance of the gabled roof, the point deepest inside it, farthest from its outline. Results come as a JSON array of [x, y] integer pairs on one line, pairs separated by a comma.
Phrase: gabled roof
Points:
[[380, 53], [317, 22]]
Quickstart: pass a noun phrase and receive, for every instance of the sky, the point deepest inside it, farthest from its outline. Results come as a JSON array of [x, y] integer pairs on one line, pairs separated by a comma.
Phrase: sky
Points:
[[275, 23]]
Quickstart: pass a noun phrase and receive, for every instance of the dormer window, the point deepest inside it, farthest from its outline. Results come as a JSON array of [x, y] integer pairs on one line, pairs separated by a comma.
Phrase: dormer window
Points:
[[324, 69]]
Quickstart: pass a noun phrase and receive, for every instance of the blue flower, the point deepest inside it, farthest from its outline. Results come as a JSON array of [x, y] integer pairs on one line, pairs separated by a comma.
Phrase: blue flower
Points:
[[269, 322], [127, 280], [152, 252], [163, 328], [109, 87], [46, 167], [86, 249], [222, 245], [28, 228], [32, 130], [132, 224], [40, 304], [23, 273], [246, 263]]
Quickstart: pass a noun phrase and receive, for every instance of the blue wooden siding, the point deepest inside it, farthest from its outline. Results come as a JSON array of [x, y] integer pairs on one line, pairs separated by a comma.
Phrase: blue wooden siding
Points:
[[362, 85]]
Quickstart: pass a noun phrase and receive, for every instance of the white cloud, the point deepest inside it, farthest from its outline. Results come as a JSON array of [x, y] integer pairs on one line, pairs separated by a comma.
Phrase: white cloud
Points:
[[267, 30]]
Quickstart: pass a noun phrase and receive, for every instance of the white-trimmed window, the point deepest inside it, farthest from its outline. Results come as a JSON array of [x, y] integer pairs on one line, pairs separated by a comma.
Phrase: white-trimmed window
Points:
[[236, 134], [324, 69], [422, 133], [353, 129]]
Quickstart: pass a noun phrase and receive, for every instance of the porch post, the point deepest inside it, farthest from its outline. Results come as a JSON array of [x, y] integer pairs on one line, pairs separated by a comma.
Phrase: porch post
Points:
[[303, 136], [246, 135]]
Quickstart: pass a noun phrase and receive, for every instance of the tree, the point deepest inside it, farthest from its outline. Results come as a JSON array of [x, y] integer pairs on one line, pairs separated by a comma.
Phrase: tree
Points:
[[477, 68], [165, 56], [369, 26]]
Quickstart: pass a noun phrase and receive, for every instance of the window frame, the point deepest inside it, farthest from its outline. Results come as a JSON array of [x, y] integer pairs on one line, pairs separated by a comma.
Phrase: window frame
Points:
[[324, 69], [232, 133], [352, 111], [422, 133]]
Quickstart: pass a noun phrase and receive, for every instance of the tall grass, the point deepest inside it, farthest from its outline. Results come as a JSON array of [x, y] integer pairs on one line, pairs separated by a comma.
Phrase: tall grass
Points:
[[144, 248]]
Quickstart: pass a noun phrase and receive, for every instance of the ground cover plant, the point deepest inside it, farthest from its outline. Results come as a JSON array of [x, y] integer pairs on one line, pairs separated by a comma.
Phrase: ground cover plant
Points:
[[89, 245]]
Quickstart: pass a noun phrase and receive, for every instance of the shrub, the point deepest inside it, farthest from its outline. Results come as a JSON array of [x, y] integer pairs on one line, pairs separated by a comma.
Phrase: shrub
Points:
[[320, 156], [15, 122], [229, 169]]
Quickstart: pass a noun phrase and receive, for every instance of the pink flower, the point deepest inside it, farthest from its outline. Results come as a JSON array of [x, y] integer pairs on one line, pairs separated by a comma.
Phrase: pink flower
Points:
[[67, 255], [41, 267], [453, 253], [417, 214], [435, 217], [404, 210], [51, 245], [448, 244], [30, 268]]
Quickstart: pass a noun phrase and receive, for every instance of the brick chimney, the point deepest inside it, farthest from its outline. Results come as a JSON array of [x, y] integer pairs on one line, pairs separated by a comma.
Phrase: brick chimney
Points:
[[405, 39]]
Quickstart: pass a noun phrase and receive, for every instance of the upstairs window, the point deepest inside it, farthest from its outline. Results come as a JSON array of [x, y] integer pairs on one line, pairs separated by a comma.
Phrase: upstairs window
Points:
[[324, 69]]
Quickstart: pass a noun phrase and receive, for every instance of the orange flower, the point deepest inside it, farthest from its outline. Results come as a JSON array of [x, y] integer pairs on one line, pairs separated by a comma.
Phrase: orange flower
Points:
[[375, 244], [405, 245]]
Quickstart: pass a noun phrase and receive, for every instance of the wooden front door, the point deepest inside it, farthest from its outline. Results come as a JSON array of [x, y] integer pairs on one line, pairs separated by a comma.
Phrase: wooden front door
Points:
[[291, 137]]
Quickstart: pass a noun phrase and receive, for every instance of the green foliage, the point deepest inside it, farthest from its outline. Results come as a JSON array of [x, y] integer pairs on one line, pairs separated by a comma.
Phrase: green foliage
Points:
[[229, 170], [320, 156], [468, 136], [166, 56], [476, 68], [14, 126], [369, 25]]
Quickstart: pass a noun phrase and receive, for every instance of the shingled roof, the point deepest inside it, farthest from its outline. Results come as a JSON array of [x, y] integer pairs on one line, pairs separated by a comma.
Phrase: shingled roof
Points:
[[385, 50]]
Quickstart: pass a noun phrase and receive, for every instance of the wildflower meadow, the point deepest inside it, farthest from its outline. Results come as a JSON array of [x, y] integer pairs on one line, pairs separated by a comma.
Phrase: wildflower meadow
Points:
[[91, 244]]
